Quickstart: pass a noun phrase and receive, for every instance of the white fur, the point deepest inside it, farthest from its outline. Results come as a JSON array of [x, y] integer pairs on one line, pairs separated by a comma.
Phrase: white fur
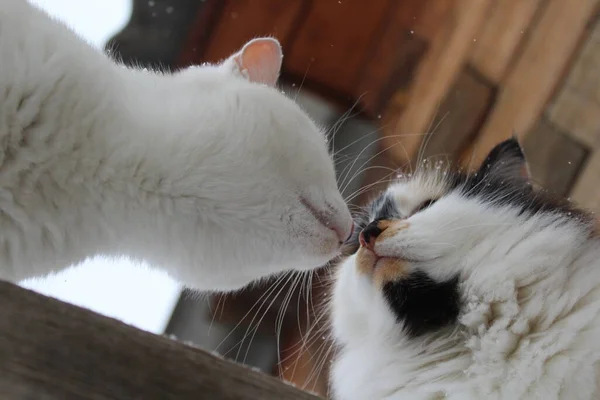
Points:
[[201, 172], [530, 328]]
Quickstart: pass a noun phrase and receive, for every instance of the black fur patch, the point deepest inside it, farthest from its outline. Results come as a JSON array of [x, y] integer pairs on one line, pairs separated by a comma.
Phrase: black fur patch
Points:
[[423, 305], [503, 179], [520, 194]]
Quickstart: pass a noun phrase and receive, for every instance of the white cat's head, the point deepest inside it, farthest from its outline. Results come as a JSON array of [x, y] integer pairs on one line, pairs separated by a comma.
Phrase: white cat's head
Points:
[[443, 252], [273, 201]]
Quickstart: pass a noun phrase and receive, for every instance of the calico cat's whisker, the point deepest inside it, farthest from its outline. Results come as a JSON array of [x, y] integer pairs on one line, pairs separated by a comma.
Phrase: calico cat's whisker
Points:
[[478, 225], [365, 188], [428, 135]]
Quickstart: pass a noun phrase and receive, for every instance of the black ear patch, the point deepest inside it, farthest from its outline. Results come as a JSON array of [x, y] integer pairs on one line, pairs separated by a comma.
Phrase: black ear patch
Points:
[[506, 161], [423, 305]]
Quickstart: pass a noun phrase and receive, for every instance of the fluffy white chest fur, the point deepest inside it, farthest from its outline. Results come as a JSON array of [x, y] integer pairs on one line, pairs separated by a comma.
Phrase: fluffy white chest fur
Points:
[[210, 173], [469, 287]]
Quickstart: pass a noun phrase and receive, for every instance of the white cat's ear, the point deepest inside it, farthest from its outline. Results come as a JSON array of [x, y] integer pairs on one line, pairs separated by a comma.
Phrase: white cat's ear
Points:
[[258, 61], [506, 161]]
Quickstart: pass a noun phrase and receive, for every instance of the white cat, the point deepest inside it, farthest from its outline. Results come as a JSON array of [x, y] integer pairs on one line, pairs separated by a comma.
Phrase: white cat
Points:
[[469, 287], [210, 173]]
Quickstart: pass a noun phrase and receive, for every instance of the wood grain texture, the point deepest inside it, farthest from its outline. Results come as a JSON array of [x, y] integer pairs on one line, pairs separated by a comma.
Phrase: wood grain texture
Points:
[[459, 117], [576, 107], [586, 192], [442, 63], [505, 27], [52, 350], [395, 56], [155, 34], [242, 20], [334, 41], [554, 157], [535, 75]]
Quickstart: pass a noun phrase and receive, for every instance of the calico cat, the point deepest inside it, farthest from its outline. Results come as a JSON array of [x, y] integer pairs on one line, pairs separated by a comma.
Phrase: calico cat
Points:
[[469, 286], [210, 173]]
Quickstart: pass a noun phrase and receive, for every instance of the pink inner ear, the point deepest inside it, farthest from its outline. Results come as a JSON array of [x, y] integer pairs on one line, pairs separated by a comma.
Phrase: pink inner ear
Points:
[[260, 60]]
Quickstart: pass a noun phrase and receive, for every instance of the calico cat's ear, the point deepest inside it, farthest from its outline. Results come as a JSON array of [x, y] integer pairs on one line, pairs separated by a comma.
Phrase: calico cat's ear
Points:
[[258, 61], [506, 161]]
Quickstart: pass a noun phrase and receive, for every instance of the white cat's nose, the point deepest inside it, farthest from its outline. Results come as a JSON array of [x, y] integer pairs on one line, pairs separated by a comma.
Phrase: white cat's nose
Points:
[[342, 232]]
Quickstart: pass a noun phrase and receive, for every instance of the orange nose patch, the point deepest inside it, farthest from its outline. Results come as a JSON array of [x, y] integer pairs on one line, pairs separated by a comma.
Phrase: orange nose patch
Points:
[[365, 261], [381, 269], [391, 227], [389, 270]]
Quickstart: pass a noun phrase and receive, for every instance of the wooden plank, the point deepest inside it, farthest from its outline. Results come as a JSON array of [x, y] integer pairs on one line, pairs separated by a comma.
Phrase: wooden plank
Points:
[[378, 175], [554, 158], [576, 107], [398, 51], [586, 192], [192, 49], [327, 51], [437, 72], [153, 37], [536, 73], [505, 27], [52, 350], [459, 117], [242, 20]]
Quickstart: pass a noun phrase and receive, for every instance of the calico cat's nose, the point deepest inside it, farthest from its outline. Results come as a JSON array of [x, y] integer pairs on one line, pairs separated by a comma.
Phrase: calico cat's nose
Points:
[[369, 235]]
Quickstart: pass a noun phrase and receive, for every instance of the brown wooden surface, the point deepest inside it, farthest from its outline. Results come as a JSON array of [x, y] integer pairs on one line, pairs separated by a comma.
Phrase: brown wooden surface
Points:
[[576, 107], [395, 56], [460, 115], [242, 20], [554, 157], [442, 63], [53, 350], [333, 42], [537, 72], [508, 21]]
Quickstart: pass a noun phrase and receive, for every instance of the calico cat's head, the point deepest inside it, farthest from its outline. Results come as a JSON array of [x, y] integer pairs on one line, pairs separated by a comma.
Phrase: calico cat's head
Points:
[[440, 242], [274, 200]]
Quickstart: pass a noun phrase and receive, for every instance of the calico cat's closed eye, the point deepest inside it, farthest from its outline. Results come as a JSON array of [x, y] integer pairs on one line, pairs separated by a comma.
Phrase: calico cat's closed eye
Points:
[[424, 205]]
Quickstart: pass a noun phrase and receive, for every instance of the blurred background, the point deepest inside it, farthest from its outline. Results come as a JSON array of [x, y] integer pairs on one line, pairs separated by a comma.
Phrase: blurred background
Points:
[[394, 81]]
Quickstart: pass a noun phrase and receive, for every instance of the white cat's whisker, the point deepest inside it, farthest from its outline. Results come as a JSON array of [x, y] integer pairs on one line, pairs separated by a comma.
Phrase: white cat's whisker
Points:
[[251, 330], [266, 294]]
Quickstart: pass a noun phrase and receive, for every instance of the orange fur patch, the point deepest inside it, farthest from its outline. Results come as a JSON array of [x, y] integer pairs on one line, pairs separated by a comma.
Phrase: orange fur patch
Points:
[[391, 228], [389, 270], [365, 261]]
